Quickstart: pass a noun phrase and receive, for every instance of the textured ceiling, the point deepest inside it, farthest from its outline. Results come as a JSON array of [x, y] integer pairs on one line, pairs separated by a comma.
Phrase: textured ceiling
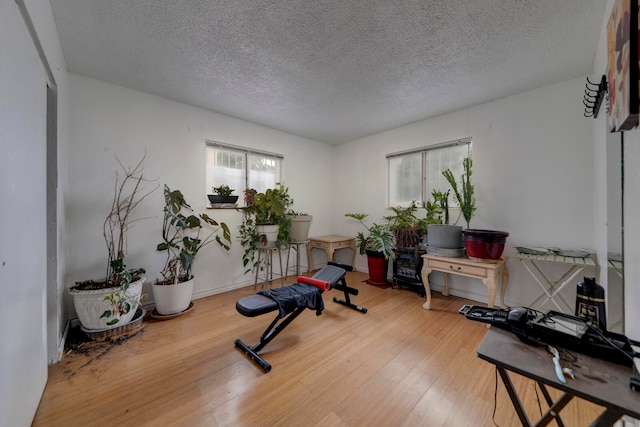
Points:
[[332, 71]]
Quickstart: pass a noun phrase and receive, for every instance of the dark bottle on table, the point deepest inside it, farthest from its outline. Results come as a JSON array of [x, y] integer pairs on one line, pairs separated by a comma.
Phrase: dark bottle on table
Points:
[[590, 303]]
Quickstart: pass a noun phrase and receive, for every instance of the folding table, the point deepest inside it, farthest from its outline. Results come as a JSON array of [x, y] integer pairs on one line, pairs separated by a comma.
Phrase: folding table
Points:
[[552, 288], [601, 382]]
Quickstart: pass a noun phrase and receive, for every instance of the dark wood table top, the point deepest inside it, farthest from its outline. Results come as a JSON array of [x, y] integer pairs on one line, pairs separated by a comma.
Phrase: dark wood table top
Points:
[[601, 382]]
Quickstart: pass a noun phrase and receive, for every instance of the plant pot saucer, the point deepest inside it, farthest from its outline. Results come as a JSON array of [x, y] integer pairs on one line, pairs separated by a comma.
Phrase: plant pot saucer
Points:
[[159, 316], [103, 334]]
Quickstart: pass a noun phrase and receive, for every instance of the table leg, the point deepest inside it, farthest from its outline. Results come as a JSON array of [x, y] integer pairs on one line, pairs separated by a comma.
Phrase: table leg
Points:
[[445, 277], [280, 262], [353, 256], [554, 287], [515, 400], [308, 261], [554, 407], [286, 270], [310, 257], [505, 282], [607, 418], [490, 283], [427, 289]]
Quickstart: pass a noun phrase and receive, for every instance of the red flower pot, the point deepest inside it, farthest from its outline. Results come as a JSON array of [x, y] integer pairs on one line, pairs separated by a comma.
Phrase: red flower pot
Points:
[[484, 244], [378, 266]]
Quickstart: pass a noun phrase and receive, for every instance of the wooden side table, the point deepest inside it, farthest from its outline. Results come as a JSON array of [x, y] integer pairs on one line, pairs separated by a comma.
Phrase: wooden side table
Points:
[[329, 244], [488, 272]]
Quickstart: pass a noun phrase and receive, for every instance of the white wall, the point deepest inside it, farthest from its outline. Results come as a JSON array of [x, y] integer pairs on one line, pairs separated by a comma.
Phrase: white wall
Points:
[[25, 303], [632, 234], [108, 120], [532, 171]]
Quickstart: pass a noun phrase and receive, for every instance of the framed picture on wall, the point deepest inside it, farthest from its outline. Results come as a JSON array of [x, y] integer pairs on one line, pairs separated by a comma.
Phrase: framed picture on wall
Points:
[[622, 65]]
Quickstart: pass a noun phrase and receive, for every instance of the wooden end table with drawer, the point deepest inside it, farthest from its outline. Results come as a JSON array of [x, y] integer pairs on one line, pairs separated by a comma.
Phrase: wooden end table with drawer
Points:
[[488, 272], [329, 244]]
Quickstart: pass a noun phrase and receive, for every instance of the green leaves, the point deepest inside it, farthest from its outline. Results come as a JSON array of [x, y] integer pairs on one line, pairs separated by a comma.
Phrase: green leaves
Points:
[[466, 197], [120, 306], [181, 240], [174, 200], [379, 239]]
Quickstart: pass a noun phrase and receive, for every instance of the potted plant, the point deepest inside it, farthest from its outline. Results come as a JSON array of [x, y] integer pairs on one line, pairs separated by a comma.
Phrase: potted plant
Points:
[[407, 227], [479, 244], [113, 301], [378, 245], [444, 238], [265, 222], [464, 195], [181, 242], [223, 194]]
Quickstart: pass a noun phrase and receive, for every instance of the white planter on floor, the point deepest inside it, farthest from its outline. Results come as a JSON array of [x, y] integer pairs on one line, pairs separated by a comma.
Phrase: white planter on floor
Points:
[[91, 305], [174, 298]]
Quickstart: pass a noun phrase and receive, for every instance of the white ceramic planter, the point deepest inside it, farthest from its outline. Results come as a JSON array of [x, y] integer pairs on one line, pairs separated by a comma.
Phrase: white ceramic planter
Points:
[[172, 299], [90, 305]]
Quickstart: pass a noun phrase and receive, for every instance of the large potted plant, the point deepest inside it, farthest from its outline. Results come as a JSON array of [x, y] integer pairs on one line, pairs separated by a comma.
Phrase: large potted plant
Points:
[[265, 222], [113, 301], [181, 242], [379, 246], [479, 244]]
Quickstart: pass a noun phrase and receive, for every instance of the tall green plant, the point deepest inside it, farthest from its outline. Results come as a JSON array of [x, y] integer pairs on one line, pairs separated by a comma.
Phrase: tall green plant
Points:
[[380, 238], [465, 197], [441, 201], [181, 239]]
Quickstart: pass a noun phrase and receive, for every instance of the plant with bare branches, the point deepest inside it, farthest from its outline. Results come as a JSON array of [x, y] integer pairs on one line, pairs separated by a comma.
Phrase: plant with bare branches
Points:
[[129, 192]]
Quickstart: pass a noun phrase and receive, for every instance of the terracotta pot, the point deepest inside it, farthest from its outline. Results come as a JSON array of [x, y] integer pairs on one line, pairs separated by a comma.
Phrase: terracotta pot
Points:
[[484, 244], [378, 266]]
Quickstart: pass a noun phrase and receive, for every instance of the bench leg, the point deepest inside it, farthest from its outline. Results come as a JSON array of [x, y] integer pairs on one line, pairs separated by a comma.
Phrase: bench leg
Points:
[[267, 336]]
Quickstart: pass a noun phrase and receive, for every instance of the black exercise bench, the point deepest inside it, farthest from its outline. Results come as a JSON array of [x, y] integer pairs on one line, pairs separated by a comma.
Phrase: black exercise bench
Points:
[[289, 301]]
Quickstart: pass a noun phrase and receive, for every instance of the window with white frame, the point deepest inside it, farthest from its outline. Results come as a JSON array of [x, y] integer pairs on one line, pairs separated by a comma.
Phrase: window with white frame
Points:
[[414, 174], [241, 168]]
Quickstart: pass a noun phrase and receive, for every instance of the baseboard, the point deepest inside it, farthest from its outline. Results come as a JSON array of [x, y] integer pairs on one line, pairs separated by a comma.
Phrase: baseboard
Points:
[[61, 344]]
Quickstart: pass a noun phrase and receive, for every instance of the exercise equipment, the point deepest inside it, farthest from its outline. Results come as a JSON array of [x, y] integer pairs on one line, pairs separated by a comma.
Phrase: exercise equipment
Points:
[[290, 301]]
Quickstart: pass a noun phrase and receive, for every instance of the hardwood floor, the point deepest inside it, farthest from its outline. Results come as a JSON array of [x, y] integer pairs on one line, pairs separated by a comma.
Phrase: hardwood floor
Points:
[[397, 365]]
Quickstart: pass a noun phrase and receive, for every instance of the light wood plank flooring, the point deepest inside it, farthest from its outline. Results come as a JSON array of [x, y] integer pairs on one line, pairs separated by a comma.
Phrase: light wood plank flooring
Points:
[[397, 365]]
